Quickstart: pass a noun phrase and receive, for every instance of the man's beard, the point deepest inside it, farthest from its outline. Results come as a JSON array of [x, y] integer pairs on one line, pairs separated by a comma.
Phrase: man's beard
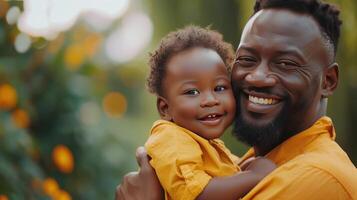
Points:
[[265, 137]]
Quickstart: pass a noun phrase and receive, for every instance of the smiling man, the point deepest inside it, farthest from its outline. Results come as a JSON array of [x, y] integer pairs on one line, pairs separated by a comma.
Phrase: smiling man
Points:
[[284, 71]]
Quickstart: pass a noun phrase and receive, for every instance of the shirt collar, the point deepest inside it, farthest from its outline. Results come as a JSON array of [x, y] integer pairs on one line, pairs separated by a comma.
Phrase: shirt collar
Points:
[[295, 145]]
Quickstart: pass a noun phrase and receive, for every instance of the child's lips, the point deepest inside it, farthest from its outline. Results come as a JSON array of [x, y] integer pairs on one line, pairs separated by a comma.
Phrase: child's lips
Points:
[[211, 119]]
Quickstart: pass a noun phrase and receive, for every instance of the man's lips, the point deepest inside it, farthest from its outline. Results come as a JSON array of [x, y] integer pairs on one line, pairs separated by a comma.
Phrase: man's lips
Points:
[[262, 100], [263, 103]]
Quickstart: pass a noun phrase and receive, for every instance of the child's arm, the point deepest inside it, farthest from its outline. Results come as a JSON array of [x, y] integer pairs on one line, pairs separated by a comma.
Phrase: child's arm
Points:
[[236, 186]]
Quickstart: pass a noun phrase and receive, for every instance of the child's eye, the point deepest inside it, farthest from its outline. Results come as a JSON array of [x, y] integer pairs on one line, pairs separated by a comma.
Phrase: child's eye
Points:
[[192, 92], [219, 88]]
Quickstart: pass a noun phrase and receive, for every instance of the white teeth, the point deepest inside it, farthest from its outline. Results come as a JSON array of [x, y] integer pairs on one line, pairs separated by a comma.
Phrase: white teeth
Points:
[[263, 101], [211, 116]]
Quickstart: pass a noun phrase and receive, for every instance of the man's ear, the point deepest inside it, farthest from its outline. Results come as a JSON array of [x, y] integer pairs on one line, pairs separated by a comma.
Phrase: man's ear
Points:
[[330, 80], [163, 108]]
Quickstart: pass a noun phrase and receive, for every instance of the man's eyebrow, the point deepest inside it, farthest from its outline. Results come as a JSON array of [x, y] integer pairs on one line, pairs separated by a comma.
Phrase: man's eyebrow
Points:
[[250, 49], [292, 51]]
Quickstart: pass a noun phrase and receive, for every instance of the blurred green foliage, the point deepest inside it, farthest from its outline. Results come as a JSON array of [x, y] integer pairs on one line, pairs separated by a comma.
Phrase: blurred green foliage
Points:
[[52, 92]]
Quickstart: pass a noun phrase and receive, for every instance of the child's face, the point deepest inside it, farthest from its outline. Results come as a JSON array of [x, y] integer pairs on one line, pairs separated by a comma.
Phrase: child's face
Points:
[[198, 92]]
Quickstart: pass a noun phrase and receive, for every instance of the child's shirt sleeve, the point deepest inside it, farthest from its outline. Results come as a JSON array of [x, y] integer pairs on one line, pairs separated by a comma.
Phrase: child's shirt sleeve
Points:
[[177, 159]]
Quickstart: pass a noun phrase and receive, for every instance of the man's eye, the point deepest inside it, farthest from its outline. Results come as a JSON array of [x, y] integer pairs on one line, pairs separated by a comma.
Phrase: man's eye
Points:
[[220, 88], [192, 92], [245, 61], [286, 64]]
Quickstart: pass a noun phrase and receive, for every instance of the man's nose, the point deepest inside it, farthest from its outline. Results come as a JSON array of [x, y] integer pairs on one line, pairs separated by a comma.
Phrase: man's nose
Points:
[[209, 99], [261, 76]]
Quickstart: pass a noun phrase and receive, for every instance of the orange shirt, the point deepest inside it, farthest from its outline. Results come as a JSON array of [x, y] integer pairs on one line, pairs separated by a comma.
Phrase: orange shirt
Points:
[[311, 165], [185, 162]]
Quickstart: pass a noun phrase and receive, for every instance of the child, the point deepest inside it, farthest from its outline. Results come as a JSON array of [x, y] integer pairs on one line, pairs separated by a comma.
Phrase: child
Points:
[[190, 76]]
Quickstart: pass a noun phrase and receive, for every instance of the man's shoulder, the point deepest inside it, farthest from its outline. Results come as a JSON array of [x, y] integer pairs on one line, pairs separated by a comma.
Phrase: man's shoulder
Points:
[[340, 169], [332, 160], [298, 180], [332, 166]]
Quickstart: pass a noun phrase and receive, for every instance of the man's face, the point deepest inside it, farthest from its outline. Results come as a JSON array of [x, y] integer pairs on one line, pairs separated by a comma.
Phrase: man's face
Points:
[[277, 77]]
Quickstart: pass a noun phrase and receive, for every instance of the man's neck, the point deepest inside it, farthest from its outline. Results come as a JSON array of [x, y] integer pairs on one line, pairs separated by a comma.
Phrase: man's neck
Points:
[[261, 151]]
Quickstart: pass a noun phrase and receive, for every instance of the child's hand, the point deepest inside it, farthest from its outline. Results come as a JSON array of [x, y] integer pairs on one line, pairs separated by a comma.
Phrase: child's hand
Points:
[[260, 166], [246, 163]]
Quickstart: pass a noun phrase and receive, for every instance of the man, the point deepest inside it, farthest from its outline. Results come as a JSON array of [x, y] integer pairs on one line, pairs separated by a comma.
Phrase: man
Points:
[[284, 72]]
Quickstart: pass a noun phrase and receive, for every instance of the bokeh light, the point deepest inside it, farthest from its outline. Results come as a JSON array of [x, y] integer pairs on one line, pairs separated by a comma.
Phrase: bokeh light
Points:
[[63, 159], [3, 197], [35, 20], [74, 57], [114, 104], [50, 186], [47, 19], [130, 38], [20, 118], [13, 15], [91, 44], [62, 195], [22, 43], [8, 96], [4, 6]]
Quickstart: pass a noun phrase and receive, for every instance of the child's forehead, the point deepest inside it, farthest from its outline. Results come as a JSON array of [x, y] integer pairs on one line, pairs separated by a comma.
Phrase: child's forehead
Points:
[[193, 59], [201, 65]]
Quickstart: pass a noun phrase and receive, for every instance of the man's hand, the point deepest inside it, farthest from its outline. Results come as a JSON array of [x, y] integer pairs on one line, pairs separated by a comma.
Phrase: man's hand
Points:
[[142, 185]]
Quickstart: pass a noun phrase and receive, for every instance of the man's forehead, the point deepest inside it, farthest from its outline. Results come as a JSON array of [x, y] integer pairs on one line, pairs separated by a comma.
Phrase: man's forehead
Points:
[[277, 24]]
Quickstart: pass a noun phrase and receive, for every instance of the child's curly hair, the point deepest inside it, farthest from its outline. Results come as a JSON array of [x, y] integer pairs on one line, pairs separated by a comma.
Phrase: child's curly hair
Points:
[[180, 40]]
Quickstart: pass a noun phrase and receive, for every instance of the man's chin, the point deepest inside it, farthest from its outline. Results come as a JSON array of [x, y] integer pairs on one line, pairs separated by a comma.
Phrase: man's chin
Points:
[[264, 135]]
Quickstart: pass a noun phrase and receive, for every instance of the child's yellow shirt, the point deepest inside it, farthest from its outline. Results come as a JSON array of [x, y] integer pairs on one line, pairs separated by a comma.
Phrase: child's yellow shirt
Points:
[[185, 162]]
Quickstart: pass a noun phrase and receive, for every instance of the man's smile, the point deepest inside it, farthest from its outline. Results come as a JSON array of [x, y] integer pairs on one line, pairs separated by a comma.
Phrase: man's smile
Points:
[[263, 103]]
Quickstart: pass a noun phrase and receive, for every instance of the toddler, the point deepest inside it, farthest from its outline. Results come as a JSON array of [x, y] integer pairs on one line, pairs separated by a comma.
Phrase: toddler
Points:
[[190, 75]]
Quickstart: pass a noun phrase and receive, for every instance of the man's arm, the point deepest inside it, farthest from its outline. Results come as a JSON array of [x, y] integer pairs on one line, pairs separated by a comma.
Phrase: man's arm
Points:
[[299, 181], [140, 185], [236, 186]]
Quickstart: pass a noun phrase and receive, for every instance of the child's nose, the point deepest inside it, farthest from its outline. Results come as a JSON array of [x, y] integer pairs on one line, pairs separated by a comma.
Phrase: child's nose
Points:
[[209, 99]]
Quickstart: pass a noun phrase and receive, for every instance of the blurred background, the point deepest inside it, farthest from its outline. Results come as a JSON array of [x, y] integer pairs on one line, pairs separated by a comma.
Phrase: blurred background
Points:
[[73, 102]]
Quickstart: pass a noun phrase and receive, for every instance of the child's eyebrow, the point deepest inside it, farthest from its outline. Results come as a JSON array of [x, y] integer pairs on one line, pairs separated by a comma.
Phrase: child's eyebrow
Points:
[[222, 77], [189, 82]]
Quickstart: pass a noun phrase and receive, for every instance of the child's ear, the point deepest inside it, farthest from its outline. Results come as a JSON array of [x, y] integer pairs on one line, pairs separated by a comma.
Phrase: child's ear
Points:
[[163, 108], [330, 80]]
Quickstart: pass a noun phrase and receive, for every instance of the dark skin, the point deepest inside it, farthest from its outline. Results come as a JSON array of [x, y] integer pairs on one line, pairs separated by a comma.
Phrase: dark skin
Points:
[[284, 53], [283, 63], [196, 85]]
